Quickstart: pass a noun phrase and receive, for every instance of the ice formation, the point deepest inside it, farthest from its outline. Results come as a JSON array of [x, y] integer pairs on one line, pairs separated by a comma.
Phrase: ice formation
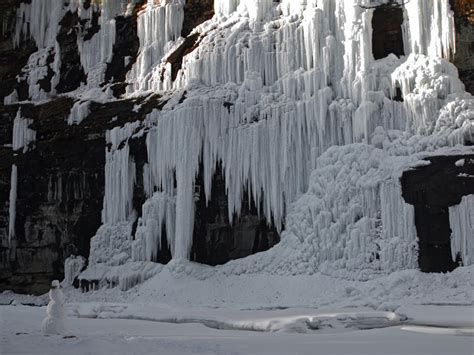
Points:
[[73, 266], [288, 98], [291, 99], [22, 135], [461, 220], [158, 213], [79, 111]]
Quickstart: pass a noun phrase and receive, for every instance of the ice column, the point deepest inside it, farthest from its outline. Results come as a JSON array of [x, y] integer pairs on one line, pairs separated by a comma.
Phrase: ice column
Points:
[[461, 220], [119, 175], [429, 28], [400, 247]]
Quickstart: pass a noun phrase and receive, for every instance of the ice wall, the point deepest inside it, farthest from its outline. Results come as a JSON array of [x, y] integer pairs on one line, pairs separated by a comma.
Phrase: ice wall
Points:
[[273, 97], [461, 220], [269, 88]]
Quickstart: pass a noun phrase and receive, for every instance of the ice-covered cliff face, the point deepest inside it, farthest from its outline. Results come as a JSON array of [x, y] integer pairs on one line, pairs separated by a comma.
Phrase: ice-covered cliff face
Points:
[[268, 90]]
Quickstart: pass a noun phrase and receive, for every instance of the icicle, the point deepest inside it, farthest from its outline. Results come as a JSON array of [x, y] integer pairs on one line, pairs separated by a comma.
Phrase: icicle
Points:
[[12, 205], [79, 111]]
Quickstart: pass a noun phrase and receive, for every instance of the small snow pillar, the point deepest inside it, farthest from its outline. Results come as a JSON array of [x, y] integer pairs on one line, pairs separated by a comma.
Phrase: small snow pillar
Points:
[[55, 321]]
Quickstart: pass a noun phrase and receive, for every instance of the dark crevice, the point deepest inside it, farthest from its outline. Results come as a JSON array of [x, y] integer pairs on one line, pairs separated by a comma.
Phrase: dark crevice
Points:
[[195, 13], [93, 26], [387, 36], [45, 83], [215, 240], [125, 51], [176, 58]]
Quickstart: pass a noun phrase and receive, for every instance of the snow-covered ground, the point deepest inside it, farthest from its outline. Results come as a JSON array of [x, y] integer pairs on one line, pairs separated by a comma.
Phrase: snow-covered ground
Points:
[[290, 331], [206, 312]]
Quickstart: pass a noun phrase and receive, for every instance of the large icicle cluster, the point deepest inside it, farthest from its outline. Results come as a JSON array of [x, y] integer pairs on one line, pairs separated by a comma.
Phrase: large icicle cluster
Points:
[[40, 20], [274, 95]]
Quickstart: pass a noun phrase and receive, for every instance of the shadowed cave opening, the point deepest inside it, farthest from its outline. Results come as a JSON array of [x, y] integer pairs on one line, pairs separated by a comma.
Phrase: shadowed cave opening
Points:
[[217, 241], [387, 35], [432, 189]]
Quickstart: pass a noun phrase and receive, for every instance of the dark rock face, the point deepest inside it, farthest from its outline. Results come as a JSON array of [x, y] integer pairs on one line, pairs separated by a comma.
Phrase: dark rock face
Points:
[[432, 190], [60, 189], [387, 34], [215, 240], [59, 198]]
